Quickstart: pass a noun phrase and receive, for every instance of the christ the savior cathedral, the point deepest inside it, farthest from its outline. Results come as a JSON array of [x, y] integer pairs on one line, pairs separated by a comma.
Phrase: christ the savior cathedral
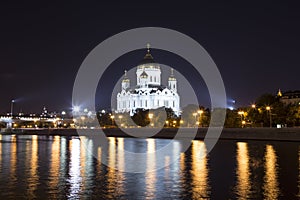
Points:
[[149, 93]]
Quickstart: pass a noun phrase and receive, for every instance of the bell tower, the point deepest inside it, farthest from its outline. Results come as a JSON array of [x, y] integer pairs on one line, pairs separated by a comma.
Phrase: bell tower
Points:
[[172, 83], [125, 81]]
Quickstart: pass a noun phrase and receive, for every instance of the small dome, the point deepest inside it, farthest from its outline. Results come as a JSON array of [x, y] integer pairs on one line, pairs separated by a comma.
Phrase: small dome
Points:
[[172, 77], [125, 79], [144, 75], [148, 58]]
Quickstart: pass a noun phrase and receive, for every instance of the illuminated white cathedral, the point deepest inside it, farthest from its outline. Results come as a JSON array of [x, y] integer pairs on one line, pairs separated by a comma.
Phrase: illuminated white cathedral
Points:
[[149, 93]]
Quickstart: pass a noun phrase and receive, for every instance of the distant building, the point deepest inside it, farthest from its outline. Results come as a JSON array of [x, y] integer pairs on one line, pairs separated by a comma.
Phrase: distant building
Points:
[[149, 93], [289, 97]]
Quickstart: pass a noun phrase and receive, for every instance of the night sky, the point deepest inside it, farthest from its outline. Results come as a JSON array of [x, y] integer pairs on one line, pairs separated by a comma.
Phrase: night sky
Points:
[[255, 46]]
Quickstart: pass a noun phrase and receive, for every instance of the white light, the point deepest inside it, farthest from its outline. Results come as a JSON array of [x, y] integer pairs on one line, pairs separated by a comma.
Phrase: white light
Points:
[[63, 112], [76, 108]]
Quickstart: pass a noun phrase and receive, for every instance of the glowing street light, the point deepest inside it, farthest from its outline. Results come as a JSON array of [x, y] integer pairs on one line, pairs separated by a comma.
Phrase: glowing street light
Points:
[[241, 113], [12, 107], [195, 115], [112, 117], [268, 108], [76, 108], [200, 113], [120, 117], [253, 106], [150, 115]]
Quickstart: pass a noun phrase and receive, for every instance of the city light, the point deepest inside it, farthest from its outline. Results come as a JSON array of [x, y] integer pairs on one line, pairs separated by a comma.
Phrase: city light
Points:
[[240, 112], [150, 115], [76, 108]]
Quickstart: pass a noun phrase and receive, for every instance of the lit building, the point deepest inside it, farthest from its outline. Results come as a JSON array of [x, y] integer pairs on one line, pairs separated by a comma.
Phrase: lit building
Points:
[[149, 93], [289, 97]]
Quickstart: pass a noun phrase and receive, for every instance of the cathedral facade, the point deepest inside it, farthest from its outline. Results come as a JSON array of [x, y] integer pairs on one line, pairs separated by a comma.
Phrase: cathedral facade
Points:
[[148, 93]]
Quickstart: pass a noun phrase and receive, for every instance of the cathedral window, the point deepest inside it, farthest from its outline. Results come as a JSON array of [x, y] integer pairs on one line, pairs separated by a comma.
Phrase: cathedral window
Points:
[[166, 103]]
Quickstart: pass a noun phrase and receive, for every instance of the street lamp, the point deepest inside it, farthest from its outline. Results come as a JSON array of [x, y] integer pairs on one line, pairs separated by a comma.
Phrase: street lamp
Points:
[[268, 108], [167, 123], [174, 123], [112, 119], [150, 115], [76, 108], [12, 107], [121, 117], [200, 113], [241, 113], [195, 115]]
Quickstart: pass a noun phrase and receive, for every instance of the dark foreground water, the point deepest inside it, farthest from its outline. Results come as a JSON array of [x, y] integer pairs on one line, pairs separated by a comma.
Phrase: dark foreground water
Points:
[[62, 168]]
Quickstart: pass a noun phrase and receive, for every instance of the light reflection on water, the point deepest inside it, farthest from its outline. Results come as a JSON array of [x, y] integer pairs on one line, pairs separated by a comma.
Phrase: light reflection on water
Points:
[[271, 188], [74, 170], [199, 170], [243, 171], [63, 167]]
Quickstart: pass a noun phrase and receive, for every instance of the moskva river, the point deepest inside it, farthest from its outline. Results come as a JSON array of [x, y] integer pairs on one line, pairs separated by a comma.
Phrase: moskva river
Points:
[[57, 167]]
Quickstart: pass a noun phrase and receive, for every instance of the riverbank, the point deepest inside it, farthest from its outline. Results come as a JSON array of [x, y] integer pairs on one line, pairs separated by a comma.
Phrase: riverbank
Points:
[[276, 134]]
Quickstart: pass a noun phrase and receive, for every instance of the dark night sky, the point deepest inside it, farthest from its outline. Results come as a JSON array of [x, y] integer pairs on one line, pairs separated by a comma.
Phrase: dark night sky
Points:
[[255, 46]]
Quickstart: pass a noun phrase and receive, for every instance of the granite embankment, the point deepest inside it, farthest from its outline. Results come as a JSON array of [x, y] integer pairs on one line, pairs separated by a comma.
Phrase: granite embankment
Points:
[[282, 134]]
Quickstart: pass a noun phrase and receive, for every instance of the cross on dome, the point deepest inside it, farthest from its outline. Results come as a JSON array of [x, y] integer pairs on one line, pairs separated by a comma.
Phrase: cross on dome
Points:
[[148, 47]]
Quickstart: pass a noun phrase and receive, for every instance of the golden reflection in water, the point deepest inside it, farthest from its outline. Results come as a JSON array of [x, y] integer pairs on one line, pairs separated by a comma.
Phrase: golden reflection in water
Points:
[[99, 160], [86, 155], [182, 162], [298, 172], [111, 165], [271, 187], [199, 170], [243, 172], [151, 172], [0, 152], [121, 165], [13, 159], [54, 163], [167, 167], [83, 160], [63, 157], [116, 158], [121, 159], [33, 178], [74, 169]]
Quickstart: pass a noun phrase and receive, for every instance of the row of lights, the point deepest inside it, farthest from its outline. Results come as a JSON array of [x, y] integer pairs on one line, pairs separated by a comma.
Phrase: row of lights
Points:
[[268, 108]]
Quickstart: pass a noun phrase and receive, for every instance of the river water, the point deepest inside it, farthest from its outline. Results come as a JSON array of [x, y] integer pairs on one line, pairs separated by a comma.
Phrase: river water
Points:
[[59, 167]]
